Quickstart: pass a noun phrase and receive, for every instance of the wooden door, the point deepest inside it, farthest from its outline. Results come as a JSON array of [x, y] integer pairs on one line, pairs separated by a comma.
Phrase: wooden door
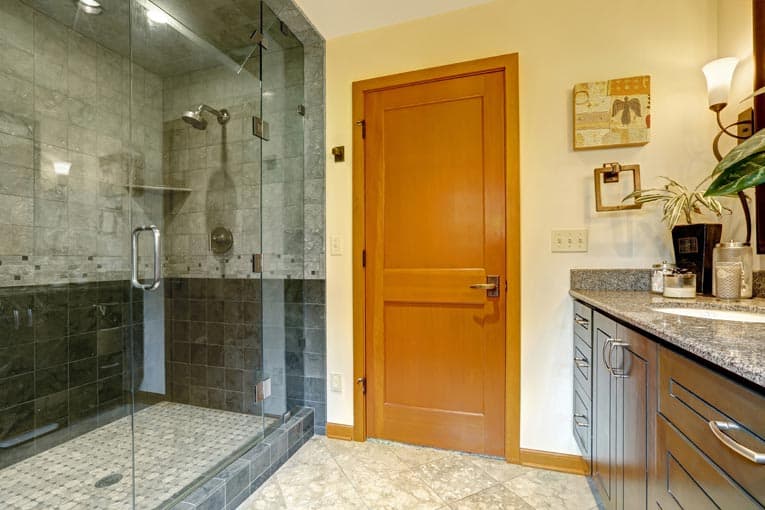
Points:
[[634, 369], [435, 225], [604, 471]]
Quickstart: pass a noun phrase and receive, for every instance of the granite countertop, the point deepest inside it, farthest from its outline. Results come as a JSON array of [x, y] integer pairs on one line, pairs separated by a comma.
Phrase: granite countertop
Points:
[[734, 346]]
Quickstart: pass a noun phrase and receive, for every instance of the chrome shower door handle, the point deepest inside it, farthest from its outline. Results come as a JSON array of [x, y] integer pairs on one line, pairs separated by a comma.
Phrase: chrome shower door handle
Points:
[[154, 285]]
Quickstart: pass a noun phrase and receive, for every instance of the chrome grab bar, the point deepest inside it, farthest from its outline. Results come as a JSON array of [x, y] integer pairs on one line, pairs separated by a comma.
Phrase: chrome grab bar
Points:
[[750, 455], [154, 285]]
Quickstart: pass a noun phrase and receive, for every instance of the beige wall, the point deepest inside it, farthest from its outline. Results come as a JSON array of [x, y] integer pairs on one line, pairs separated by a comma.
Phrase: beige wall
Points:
[[559, 43]]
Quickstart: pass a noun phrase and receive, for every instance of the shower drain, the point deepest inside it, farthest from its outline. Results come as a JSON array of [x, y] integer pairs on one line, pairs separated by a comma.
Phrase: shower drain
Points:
[[108, 480]]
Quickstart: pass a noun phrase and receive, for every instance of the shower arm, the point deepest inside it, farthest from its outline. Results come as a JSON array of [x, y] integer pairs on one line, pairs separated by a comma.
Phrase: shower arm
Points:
[[221, 115]]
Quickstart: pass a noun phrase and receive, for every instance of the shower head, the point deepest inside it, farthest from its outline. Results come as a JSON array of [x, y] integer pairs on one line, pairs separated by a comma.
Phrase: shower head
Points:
[[197, 121]]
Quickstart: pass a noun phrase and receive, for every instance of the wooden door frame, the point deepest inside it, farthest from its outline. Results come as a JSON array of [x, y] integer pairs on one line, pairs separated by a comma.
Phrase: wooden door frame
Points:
[[508, 64]]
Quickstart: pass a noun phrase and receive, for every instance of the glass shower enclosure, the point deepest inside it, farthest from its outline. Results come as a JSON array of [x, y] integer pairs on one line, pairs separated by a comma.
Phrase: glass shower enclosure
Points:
[[150, 223]]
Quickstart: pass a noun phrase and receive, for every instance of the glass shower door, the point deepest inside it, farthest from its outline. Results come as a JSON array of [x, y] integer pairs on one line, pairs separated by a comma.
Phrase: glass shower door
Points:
[[65, 359], [196, 164]]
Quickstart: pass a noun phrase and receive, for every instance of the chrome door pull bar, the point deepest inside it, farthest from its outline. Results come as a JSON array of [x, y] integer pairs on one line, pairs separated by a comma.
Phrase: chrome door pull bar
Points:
[[154, 285]]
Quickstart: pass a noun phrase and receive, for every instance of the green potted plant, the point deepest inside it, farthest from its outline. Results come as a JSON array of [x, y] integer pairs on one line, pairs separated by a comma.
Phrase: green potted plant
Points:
[[742, 168], [693, 242]]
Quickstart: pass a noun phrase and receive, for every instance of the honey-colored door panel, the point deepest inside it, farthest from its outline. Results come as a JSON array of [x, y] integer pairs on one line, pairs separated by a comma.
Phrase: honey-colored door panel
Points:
[[435, 225]]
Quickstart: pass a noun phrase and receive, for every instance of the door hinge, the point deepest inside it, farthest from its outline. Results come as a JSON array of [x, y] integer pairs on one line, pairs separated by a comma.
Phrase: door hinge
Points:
[[257, 262], [363, 258], [363, 124], [363, 382], [261, 128]]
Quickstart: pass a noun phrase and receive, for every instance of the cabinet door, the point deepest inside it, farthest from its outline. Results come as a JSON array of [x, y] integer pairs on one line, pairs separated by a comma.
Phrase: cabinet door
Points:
[[633, 367], [604, 413]]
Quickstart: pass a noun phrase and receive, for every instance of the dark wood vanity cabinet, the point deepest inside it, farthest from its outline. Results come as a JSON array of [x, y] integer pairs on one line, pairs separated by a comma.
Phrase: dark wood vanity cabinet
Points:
[[667, 432], [709, 432], [624, 406]]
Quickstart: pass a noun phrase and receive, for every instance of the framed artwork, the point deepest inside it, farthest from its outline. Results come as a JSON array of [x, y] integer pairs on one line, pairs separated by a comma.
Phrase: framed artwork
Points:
[[613, 113]]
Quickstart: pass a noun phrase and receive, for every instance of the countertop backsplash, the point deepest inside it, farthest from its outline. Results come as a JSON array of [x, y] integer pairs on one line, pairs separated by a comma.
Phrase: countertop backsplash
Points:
[[632, 279]]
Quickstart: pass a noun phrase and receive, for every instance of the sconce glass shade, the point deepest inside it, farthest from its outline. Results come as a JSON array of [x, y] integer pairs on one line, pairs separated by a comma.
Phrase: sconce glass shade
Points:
[[719, 74]]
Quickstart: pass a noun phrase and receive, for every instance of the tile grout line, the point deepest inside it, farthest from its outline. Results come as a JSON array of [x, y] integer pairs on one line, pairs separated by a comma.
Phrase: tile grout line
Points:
[[345, 475]]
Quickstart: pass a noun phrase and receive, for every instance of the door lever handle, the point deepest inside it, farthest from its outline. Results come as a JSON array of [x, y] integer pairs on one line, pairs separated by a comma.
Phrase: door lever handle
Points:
[[491, 286]]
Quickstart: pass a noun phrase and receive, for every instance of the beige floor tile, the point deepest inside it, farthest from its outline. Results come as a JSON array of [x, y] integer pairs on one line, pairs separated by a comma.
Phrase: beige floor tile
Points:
[[371, 455], [267, 497], [548, 490], [454, 478], [499, 469], [328, 474], [494, 498], [414, 456], [401, 490]]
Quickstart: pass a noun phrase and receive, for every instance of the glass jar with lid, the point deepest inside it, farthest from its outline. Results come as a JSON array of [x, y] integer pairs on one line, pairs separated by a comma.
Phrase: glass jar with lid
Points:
[[657, 275], [730, 260]]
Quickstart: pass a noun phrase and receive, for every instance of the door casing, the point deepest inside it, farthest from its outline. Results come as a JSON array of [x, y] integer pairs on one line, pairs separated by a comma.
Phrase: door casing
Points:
[[507, 64]]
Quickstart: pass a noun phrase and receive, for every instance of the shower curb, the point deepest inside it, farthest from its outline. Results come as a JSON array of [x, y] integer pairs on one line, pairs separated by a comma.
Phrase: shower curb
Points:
[[233, 485]]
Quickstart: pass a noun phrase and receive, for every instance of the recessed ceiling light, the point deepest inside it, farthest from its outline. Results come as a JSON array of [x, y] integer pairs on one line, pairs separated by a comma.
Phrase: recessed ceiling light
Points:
[[157, 15], [89, 6]]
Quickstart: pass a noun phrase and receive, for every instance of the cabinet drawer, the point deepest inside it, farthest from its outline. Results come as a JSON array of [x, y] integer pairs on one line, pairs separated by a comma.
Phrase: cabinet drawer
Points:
[[583, 322], [688, 480], [583, 424], [694, 398], [583, 365]]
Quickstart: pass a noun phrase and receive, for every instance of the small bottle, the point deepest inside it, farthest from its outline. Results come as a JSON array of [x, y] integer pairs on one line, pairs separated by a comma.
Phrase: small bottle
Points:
[[657, 275]]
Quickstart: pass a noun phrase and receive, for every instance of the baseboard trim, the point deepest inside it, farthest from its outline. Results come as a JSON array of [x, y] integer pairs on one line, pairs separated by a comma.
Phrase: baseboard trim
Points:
[[340, 431], [554, 461]]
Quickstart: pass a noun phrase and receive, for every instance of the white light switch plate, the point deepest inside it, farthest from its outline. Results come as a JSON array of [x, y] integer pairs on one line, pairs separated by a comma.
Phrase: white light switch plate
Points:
[[569, 240], [335, 245], [336, 383]]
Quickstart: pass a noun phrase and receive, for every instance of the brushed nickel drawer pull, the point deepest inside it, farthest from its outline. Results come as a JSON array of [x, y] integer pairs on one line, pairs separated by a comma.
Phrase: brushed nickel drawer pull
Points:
[[582, 321], [581, 362], [750, 455], [584, 423]]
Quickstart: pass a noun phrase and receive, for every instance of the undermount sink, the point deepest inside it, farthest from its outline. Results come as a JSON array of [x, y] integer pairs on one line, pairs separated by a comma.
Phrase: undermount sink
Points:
[[720, 315]]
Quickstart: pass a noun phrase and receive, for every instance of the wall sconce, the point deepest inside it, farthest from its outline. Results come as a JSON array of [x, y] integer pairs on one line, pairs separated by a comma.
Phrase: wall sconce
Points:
[[719, 74]]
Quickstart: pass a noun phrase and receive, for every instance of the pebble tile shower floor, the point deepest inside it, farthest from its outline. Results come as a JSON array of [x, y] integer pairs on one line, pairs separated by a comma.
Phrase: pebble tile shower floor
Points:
[[175, 444], [327, 474]]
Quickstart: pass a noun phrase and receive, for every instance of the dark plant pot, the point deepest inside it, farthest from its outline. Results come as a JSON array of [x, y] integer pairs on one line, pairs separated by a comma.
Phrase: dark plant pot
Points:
[[694, 245]]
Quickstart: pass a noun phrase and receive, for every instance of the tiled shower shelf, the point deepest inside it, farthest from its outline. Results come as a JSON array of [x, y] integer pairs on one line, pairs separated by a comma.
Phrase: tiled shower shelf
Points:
[[158, 188], [175, 445]]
